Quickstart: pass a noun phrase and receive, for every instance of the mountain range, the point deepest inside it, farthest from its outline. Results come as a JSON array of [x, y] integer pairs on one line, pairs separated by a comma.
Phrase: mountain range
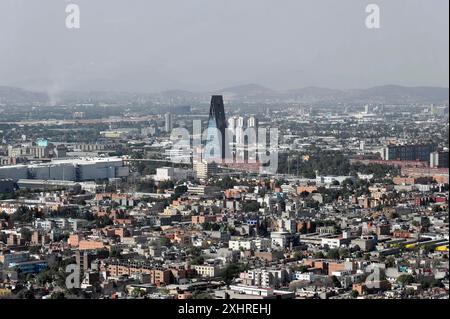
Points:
[[388, 94], [17, 95]]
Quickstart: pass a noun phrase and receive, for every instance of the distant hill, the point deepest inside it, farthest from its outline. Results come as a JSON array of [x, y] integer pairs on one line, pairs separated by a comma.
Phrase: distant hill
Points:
[[247, 90], [394, 94], [401, 94], [315, 93], [18, 96], [387, 94], [177, 95]]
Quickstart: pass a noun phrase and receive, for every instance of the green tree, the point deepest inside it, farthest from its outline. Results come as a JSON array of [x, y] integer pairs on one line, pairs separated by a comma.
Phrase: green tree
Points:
[[436, 283], [57, 295], [344, 253], [249, 207], [24, 215], [44, 277], [34, 249], [181, 190], [405, 279], [354, 294], [197, 260], [231, 271], [4, 216], [225, 183], [103, 221], [298, 255], [336, 282], [165, 242], [303, 269], [136, 292], [26, 294], [25, 233], [166, 185], [333, 254], [319, 255]]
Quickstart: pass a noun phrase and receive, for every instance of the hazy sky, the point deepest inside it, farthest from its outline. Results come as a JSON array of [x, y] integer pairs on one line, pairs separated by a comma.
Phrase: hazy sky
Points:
[[153, 45]]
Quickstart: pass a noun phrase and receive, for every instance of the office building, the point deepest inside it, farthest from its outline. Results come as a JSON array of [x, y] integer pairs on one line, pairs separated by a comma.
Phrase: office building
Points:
[[217, 126], [252, 122], [168, 123], [204, 169], [408, 152], [439, 159]]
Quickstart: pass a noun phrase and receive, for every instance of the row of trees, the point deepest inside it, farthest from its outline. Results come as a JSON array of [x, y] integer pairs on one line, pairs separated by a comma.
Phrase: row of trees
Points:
[[330, 163], [22, 215]]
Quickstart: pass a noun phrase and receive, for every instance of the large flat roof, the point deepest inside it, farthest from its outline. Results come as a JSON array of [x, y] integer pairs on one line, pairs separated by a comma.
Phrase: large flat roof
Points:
[[71, 161]]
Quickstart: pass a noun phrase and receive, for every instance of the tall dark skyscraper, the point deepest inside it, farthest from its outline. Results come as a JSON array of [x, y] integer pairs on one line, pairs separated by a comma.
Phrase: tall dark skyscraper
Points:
[[217, 121]]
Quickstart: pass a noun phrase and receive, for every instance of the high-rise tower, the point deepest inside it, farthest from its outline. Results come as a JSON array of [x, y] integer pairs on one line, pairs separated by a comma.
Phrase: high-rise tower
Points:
[[217, 121], [168, 123], [252, 122]]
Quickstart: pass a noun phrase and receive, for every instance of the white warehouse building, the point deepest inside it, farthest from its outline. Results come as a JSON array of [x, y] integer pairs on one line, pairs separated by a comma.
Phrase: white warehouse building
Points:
[[76, 170]]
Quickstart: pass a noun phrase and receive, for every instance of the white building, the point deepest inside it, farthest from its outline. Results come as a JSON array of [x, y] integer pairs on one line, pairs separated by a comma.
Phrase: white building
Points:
[[309, 276], [240, 244], [168, 123], [207, 271], [254, 244], [279, 239], [265, 277], [262, 243], [252, 122], [204, 169], [164, 174], [78, 170], [334, 243], [44, 224], [231, 123], [331, 179]]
